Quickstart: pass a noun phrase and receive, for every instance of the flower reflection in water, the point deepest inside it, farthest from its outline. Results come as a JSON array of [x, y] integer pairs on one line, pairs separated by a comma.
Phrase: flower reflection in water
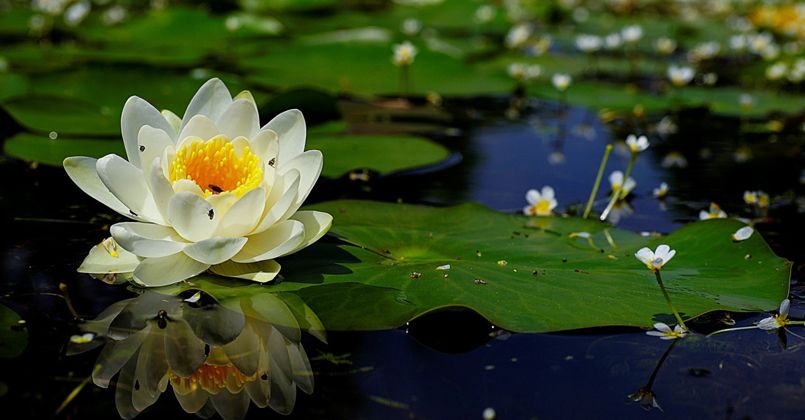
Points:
[[217, 357]]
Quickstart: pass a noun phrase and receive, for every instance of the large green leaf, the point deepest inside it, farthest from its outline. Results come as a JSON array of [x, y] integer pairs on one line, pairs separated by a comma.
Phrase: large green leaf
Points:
[[13, 335], [383, 154], [521, 273]]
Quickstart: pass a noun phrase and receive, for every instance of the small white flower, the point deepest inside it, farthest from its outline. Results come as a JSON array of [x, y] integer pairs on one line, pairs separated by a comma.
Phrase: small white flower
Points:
[[612, 41], [776, 321], [674, 159], [404, 54], [710, 78], [746, 100], [589, 43], [617, 184], [485, 13], [738, 42], [76, 13], [411, 26], [540, 204], [632, 33], [714, 212], [561, 81], [655, 260], [518, 35], [665, 332], [524, 72], [661, 191], [665, 46], [680, 76], [776, 71], [742, 234], [637, 144]]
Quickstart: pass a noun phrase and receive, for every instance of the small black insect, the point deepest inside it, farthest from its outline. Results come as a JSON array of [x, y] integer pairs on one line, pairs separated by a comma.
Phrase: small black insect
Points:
[[215, 189], [211, 213], [133, 213], [162, 319], [272, 162], [142, 148]]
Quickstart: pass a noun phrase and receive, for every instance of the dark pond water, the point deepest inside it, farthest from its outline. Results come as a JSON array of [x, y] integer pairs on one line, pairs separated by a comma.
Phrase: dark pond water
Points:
[[451, 364]]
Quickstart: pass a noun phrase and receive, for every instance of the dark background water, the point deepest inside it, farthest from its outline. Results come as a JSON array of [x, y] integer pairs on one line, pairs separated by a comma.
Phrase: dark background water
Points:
[[454, 364]]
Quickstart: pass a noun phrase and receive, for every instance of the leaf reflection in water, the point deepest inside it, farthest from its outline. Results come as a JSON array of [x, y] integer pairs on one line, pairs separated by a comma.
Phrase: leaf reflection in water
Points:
[[216, 356]]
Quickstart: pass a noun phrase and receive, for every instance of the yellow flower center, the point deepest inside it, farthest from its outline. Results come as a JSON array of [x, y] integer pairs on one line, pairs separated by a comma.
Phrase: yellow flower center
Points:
[[543, 207], [216, 167], [212, 379]]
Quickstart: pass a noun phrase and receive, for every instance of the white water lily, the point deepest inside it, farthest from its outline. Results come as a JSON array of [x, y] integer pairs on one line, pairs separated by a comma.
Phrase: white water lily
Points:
[[540, 204], [655, 260], [665, 332], [212, 190], [776, 321], [632, 33], [561, 81], [589, 43], [714, 212], [680, 76], [404, 54], [661, 191], [743, 233], [637, 144]]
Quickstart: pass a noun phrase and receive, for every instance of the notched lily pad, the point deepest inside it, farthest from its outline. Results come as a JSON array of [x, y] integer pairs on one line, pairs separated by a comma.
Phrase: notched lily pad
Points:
[[13, 334]]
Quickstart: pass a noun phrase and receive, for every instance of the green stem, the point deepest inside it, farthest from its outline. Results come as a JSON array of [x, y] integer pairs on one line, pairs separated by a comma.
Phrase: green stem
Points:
[[668, 300], [752, 327], [598, 179], [618, 195], [404, 81]]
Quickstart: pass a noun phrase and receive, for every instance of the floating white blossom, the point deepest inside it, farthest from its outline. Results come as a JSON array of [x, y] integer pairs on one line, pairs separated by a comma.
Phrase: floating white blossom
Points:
[[665, 332], [540, 204], [654, 261]]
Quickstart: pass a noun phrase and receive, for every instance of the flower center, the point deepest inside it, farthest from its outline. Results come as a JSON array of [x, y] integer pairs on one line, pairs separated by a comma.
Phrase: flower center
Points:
[[543, 207], [216, 167], [212, 378]]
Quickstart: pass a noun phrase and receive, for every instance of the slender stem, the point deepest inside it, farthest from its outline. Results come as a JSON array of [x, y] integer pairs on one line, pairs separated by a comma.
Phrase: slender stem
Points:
[[656, 370], [668, 300], [598, 179], [751, 327], [619, 194]]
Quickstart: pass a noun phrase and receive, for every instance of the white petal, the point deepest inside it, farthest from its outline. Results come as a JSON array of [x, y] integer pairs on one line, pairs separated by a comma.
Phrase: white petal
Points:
[[785, 305], [668, 256], [211, 100], [192, 216], [100, 261], [547, 193], [662, 252], [147, 239], [767, 324], [222, 202], [137, 112], [533, 197], [243, 216], [127, 183], [645, 255], [280, 200], [199, 126], [661, 326], [553, 204], [155, 272], [161, 188], [316, 223], [616, 178], [655, 333], [174, 121], [215, 250], [151, 143], [239, 119], [291, 129], [186, 185], [704, 215], [263, 271], [743, 233], [265, 144], [275, 241], [82, 170], [309, 165]]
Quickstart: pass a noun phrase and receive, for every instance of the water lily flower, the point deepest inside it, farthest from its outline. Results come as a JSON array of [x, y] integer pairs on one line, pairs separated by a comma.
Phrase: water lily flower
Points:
[[776, 71], [742, 234], [680, 76], [646, 398], [404, 54], [637, 144], [665, 332], [613, 41], [212, 190], [540, 204], [589, 43], [617, 184], [518, 35], [661, 191], [632, 33], [561, 81], [524, 72], [776, 321], [655, 260], [714, 212], [665, 46]]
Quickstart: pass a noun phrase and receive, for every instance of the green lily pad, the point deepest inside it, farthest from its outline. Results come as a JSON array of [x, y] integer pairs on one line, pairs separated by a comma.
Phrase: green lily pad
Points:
[[383, 154], [13, 336], [40, 148], [526, 274]]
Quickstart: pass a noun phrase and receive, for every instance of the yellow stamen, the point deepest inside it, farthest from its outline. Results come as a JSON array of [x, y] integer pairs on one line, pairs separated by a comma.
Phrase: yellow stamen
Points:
[[110, 246], [216, 167]]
